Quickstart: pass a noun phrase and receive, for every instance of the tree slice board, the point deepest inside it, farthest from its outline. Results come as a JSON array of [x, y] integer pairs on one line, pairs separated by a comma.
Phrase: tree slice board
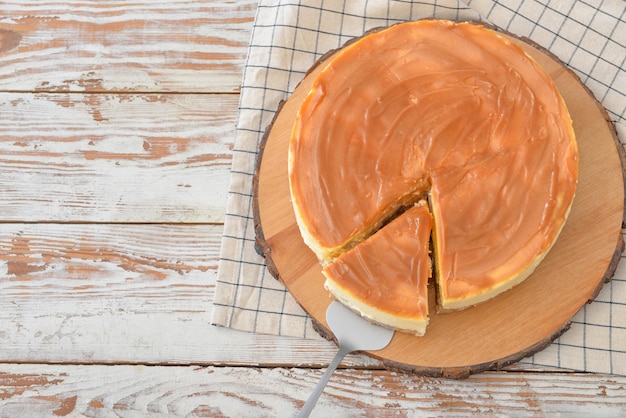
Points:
[[509, 327]]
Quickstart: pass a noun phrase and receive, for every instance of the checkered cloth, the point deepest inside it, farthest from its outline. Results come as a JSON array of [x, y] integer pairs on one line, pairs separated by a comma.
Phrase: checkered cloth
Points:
[[290, 36]]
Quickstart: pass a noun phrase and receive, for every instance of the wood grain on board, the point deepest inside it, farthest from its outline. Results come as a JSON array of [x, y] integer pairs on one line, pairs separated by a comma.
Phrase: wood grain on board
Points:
[[115, 157], [235, 391], [78, 46]]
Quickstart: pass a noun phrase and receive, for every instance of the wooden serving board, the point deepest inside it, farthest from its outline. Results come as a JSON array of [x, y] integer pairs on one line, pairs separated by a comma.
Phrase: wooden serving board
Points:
[[509, 327]]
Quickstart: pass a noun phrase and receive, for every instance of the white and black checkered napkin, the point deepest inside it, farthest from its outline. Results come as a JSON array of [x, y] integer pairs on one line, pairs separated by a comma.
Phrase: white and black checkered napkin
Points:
[[288, 37]]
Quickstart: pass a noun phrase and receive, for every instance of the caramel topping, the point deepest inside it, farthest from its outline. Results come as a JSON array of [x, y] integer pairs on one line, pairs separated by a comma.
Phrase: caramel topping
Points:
[[390, 269], [457, 108]]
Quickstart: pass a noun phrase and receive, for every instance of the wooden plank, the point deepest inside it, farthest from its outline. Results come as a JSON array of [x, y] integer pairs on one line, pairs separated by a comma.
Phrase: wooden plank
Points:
[[115, 157], [104, 292], [48, 390], [178, 45]]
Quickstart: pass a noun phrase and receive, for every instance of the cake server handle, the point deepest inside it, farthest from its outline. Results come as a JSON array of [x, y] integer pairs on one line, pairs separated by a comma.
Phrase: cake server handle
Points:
[[314, 396]]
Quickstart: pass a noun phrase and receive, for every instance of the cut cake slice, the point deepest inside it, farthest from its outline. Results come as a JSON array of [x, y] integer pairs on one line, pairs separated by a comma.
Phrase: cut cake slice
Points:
[[385, 277]]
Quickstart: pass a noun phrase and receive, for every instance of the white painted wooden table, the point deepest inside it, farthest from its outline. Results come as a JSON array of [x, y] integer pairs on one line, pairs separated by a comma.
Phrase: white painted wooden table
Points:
[[116, 128]]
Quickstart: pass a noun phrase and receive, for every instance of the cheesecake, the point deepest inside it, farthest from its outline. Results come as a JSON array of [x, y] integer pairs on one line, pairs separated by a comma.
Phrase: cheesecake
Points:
[[453, 114]]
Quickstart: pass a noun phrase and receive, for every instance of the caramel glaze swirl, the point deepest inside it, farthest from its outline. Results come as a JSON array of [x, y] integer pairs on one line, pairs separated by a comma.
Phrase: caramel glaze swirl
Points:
[[453, 110]]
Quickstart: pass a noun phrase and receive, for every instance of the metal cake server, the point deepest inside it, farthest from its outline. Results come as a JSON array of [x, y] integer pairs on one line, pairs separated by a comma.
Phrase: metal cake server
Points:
[[353, 333]]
